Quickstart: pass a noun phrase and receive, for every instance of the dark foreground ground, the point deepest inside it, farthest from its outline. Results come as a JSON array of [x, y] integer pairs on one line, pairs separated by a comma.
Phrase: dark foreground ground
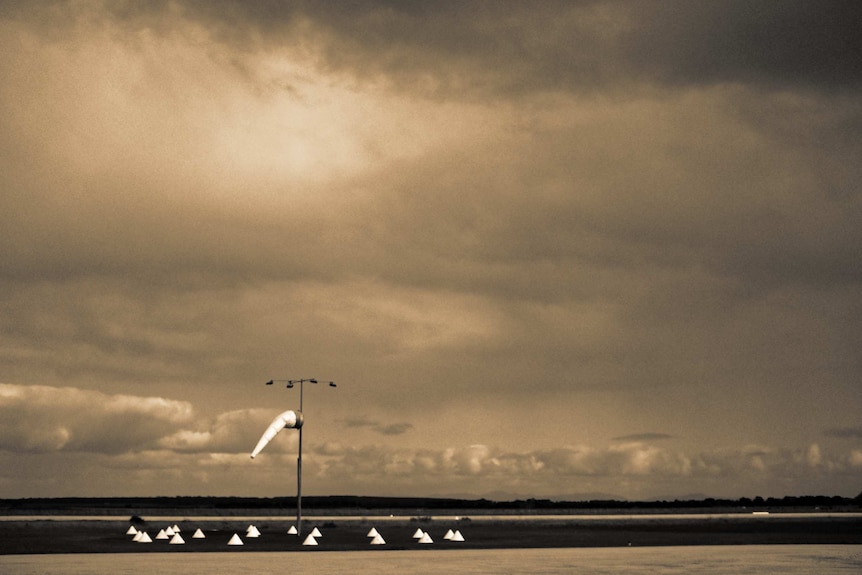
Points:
[[108, 536]]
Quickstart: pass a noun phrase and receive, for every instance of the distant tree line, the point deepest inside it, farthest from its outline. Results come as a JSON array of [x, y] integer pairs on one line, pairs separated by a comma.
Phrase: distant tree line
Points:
[[360, 505]]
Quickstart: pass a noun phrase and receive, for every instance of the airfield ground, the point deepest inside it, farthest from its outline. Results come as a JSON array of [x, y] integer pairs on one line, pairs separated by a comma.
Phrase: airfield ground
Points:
[[37, 535]]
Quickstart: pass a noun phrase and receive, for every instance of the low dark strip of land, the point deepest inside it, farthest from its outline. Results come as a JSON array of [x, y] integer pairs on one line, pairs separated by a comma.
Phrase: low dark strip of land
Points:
[[410, 506]]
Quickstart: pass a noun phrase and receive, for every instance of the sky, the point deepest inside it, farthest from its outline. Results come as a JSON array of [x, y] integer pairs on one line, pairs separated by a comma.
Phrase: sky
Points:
[[578, 249]]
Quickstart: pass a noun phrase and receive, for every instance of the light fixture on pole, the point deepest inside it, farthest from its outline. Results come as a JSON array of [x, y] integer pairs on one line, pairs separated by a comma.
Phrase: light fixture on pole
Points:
[[289, 420]]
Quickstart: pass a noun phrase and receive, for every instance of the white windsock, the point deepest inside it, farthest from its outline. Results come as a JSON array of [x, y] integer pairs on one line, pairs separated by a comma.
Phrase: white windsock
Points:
[[288, 419]]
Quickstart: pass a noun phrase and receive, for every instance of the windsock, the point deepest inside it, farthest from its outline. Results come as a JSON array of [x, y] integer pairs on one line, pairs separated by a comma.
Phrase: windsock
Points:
[[288, 419]]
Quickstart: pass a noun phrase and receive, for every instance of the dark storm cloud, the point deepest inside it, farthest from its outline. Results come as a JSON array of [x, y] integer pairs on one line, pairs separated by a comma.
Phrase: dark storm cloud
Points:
[[773, 43], [517, 47]]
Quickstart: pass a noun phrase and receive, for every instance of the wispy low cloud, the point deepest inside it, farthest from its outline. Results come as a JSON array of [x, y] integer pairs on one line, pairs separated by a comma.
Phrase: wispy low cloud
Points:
[[845, 432], [394, 429], [643, 437], [359, 422], [383, 429], [38, 418]]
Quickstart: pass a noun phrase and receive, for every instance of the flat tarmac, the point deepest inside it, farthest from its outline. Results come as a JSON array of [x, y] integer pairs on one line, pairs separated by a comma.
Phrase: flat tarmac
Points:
[[42, 536]]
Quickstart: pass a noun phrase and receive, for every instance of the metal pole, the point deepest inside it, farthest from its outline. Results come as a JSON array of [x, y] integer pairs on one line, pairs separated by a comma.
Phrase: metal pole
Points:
[[299, 473], [290, 384]]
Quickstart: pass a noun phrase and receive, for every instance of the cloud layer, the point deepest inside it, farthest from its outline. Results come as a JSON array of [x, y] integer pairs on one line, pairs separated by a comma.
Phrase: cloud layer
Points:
[[162, 447], [617, 225], [38, 419]]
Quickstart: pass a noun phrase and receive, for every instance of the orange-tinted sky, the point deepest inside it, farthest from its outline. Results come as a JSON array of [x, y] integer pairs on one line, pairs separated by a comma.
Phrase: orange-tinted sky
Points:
[[577, 249]]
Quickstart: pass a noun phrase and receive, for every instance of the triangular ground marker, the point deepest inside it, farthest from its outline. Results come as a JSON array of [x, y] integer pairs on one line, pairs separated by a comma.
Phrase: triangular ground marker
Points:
[[378, 540], [449, 535], [425, 538], [199, 535], [292, 530], [316, 532], [177, 528], [235, 540], [418, 533], [177, 539], [457, 536], [137, 536], [162, 535], [310, 540], [131, 530], [373, 532], [169, 531], [145, 538], [252, 531]]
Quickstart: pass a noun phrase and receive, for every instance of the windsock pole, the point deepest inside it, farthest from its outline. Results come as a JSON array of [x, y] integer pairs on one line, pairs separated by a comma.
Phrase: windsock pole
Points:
[[299, 474], [293, 420]]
